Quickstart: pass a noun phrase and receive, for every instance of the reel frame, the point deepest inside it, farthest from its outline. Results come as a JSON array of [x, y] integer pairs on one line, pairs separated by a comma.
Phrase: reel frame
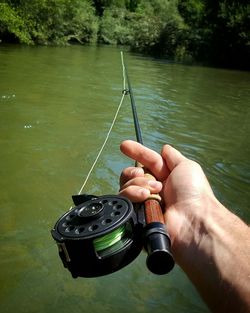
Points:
[[92, 218]]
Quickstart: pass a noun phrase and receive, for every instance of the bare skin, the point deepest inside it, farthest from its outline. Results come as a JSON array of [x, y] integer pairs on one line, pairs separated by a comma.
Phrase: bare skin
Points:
[[210, 243]]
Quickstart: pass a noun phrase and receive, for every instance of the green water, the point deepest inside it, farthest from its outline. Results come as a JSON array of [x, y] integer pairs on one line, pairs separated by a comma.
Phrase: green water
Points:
[[56, 106]]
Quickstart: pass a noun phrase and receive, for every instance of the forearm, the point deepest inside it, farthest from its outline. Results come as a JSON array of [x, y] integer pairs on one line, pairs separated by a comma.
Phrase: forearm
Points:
[[215, 255]]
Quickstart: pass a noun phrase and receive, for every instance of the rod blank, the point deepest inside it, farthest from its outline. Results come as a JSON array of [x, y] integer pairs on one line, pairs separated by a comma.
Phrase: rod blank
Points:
[[156, 239]]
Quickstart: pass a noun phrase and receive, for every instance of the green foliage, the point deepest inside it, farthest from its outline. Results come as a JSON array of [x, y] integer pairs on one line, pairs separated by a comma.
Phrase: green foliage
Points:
[[114, 26], [218, 31], [102, 5], [153, 27], [233, 33], [205, 30], [12, 26], [158, 28], [52, 21]]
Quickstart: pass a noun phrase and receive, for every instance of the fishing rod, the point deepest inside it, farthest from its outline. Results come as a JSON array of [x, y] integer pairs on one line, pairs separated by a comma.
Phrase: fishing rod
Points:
[[156, 239], [102, 234]]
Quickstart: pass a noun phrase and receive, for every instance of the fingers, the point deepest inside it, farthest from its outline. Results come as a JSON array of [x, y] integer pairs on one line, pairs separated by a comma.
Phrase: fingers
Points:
[[149, 158], [139, 189], [130, 173], [172, 157], [135, 193], [136, 186], [152, 185], [134, 183]]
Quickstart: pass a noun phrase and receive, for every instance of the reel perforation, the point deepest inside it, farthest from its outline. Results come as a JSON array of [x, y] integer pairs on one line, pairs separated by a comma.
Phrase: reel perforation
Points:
[[98, 236], [82, 221]]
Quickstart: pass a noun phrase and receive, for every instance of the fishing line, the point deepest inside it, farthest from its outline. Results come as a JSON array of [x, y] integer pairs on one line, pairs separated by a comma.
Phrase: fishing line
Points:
[[115, 236], [110, 239], [110, 129]]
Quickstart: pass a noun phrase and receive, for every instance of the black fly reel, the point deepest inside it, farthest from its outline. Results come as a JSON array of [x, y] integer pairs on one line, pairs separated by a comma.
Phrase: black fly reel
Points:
[[99, 236]]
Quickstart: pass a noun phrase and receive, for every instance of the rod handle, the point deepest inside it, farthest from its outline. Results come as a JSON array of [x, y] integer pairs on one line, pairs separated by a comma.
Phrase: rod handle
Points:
[[157, 241]]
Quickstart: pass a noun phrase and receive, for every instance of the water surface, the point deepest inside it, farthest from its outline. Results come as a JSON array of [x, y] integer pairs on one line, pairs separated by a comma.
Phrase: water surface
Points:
[[56, 106]]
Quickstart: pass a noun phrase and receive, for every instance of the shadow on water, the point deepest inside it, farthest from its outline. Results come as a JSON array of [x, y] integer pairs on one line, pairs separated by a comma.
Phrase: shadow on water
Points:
[[56, 105]]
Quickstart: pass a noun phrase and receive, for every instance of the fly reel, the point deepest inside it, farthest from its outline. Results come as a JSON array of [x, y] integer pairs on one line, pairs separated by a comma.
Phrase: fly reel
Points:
[[99, 236]]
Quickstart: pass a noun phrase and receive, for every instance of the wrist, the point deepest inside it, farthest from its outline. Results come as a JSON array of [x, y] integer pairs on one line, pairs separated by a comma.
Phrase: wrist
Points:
[[213, 249], [192, 227]]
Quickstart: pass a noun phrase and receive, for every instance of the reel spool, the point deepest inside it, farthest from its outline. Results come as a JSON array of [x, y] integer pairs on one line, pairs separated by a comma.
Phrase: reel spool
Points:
[[99, 236]]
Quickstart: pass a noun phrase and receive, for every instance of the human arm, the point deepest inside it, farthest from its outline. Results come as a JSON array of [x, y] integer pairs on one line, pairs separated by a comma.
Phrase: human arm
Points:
[[211, 244]]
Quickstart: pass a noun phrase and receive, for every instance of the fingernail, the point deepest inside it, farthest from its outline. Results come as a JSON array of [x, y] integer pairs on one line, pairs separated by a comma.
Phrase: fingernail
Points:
[[154, 184]]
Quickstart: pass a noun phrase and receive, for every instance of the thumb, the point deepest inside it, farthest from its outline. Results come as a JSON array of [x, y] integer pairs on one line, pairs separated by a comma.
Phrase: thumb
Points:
[[172, 157]]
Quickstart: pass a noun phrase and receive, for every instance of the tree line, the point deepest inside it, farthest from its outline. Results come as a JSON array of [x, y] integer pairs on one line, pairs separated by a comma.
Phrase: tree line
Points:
[[215, 32]]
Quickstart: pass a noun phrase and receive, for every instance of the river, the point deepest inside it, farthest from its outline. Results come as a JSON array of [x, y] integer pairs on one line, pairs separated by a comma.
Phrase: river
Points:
[[56, 106]]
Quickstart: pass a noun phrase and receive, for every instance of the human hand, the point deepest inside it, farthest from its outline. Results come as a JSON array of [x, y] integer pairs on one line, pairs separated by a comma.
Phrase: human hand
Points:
[[181, 183], [209, 242]]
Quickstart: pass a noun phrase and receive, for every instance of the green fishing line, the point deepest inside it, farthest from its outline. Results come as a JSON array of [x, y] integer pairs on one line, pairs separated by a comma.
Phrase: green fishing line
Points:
[[110, 239]]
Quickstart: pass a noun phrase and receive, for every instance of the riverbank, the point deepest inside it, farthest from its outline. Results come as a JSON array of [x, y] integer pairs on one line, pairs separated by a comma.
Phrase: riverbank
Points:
[[211, 33]]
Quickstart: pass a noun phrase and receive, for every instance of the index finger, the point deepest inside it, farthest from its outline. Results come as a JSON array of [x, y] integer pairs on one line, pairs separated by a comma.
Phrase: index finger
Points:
[[149, 158]]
